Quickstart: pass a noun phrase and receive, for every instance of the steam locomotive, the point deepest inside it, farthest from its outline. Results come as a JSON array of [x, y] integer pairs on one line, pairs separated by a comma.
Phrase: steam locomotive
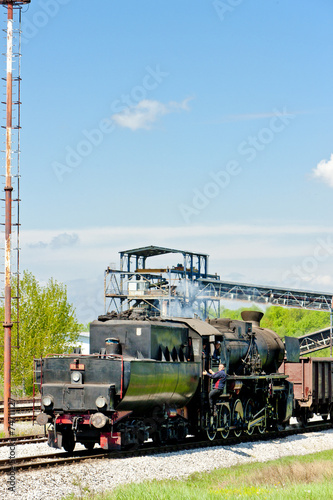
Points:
[[143, 379]]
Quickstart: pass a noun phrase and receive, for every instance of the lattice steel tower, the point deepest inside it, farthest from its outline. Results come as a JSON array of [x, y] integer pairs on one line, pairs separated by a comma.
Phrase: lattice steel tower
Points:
[[11, 162]]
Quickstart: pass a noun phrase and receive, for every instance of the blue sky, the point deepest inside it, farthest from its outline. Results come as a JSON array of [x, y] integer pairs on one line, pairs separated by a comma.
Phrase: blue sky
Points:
[[201, 125]]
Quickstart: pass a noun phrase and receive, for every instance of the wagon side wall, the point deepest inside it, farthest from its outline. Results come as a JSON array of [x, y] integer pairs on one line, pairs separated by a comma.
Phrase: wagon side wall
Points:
[[313, 382]]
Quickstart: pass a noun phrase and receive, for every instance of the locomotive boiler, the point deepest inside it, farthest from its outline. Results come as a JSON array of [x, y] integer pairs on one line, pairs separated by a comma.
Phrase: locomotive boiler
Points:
[[143, 379]]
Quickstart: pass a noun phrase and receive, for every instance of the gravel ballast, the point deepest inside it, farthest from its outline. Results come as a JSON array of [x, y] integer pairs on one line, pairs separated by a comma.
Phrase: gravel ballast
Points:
[[100, 475]]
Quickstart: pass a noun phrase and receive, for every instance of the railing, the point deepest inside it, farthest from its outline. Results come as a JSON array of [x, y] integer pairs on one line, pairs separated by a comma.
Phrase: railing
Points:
[[315, 341]]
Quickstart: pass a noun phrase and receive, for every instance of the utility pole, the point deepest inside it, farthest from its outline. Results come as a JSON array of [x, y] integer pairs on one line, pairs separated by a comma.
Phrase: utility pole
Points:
[[331, 326], [10, 5]]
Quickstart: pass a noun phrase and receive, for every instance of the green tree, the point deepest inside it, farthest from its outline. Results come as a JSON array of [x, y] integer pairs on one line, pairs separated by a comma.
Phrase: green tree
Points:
[[48, 325], [284, 321], [294, 322], [236, 313]]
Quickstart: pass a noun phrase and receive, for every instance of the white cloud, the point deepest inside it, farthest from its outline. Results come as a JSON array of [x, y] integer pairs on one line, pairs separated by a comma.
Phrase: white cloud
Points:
[[58, 241], [254, 116], [146, 113], [325, 280], [93, 249], [64, 240], [324, 171], [99, 236]]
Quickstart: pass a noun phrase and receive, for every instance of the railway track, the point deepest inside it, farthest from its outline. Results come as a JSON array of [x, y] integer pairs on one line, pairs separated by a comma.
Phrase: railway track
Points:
[[22, 412], [22, 401], [20, 418], [56, 459], [15, 440], [22, 409]]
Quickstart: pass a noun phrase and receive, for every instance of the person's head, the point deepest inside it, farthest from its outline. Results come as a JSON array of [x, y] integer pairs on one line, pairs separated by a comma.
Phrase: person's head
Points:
[[221, 366], [218, 345]]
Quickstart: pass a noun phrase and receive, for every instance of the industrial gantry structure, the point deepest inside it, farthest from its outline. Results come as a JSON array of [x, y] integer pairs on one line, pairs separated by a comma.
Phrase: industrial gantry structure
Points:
[[187, 289], [217, 290], [167, 290]]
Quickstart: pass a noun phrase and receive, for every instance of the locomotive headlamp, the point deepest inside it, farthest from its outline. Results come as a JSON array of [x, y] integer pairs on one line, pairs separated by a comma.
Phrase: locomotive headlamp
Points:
[[47, 401], [101, 402], [76, 377]]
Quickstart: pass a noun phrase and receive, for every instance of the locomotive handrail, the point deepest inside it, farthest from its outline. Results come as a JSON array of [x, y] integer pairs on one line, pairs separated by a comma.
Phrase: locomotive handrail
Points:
[[122, 377], [252, 377], [75, 355]]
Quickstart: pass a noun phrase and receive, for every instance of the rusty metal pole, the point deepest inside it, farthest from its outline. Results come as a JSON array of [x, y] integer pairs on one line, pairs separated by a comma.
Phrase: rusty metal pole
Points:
[[331, 326], [8, 225]]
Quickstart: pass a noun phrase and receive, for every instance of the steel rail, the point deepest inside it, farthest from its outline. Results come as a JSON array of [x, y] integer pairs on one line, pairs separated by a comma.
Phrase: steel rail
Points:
[[22, 401], [15, 440], [18, 418]]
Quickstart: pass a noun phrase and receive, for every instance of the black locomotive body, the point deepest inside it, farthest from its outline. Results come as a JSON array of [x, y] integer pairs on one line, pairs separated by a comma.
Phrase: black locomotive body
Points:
[[143, 378]]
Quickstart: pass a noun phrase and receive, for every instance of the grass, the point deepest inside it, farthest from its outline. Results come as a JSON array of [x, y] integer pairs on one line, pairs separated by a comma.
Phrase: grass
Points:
[[308, 477]]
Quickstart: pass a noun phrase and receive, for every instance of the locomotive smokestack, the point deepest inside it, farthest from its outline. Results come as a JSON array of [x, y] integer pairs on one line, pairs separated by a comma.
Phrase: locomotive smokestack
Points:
[[253, 317]]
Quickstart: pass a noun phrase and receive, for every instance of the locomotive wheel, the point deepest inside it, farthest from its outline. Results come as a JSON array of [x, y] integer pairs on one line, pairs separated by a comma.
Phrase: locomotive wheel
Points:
[[140, 438], [303, 418], [89, 446], [160, 437], [211, 431], [248, 415], [211, 424], [68, 442], [224, 421], [302, 421], [262, 427], [237, 417], [331, 415], [182, 431]]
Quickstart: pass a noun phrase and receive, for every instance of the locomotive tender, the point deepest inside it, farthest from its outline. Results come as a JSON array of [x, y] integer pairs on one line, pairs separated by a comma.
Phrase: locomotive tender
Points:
[[143, 379]]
